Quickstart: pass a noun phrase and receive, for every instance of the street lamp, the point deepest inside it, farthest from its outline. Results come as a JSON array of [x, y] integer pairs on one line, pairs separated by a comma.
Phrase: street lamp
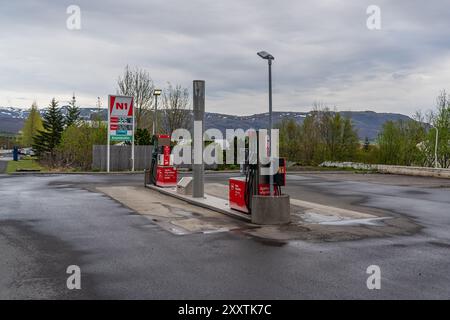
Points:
[[156, 93], [267, 56]]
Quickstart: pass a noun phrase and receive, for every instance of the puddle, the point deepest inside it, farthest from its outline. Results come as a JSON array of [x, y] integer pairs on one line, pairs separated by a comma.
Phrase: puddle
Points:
[[357, 222], [314, 217], [179, 212], [216, 231]]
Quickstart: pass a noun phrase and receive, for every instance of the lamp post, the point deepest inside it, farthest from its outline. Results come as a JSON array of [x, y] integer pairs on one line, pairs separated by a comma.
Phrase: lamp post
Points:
[[156, 93], [267, 56], [436, 148]]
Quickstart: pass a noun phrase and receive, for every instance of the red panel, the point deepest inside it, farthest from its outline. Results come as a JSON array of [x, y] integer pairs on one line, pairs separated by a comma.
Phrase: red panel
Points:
[[166, 176], [166, 158], [236, 194], [112, 100], [263, 189], [131, 109]]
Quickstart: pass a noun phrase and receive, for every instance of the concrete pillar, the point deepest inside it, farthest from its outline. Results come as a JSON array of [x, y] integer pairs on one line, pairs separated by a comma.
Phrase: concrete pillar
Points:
[[271, 210], [199, 115]]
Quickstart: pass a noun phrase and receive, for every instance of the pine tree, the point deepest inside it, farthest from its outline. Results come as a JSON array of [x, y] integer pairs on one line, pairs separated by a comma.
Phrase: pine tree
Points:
[[366, 144], [142, 137], [31, 127], [73, 113], [48, 139]]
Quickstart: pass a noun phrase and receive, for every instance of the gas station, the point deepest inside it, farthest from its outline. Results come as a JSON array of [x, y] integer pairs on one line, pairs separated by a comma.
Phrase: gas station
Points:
[[256, 197]]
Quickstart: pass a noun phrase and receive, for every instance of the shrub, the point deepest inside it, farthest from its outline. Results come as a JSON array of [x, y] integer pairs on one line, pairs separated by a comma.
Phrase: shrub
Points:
[[75, 149]]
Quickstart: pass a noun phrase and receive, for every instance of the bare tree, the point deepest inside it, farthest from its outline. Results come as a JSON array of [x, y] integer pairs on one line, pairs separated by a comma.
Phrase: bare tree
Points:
[[137, 83], [177, 113]]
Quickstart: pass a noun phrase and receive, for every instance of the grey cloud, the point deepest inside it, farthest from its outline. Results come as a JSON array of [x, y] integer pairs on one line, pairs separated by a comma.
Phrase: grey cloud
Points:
[[323, 50]]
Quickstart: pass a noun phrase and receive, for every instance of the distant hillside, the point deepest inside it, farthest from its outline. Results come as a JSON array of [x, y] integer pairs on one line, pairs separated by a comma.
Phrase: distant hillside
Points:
[[368, 123], [12, 119]]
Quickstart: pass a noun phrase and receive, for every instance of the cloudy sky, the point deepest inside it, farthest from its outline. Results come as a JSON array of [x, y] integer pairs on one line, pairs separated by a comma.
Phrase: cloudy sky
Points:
[[324, 51]]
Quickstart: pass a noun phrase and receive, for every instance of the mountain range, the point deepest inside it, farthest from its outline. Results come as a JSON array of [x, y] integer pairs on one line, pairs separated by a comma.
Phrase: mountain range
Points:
[[367, 123]]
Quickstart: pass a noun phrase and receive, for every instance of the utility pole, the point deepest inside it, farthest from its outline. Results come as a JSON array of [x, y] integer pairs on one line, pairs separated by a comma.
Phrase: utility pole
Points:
[[199, 115]]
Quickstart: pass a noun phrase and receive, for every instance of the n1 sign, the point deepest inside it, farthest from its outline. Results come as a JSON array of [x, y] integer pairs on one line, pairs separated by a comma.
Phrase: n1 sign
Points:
[[120, 123]]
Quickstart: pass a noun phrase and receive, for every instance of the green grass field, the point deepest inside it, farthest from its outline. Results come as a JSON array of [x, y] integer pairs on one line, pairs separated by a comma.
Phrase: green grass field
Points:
[[26, 164]]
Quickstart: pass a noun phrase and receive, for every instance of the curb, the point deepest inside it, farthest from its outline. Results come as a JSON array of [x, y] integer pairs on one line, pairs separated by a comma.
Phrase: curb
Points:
[[192, 201]]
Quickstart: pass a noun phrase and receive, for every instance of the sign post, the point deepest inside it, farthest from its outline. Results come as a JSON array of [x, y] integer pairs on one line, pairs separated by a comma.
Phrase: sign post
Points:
[[120, 124], [132, 142]]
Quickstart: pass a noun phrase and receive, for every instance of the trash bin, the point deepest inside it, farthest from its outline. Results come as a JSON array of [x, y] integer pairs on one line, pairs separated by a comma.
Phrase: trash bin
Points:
[[16, 153]]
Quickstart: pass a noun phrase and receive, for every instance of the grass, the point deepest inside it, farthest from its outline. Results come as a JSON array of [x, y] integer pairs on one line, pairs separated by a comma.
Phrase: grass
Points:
[[25, 164]]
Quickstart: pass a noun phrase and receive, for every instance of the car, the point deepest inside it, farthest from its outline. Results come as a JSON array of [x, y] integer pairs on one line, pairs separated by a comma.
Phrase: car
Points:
[[27, 151]]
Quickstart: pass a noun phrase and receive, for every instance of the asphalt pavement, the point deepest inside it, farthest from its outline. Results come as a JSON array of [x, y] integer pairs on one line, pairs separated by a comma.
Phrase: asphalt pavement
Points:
[[49, 222]]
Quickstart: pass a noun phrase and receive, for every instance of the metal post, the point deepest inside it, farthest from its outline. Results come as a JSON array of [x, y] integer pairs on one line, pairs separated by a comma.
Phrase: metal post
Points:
[[155, 115], [132, 138], [436, 148], [270, 126], [199, 113], [108, 152]]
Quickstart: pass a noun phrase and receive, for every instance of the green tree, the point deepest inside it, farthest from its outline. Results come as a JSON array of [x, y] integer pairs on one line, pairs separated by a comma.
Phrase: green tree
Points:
[[389, 143], [323, 135], [366, 145], [46, 141], [142, 137], [309, 145], [290, 139], [31, 127], [75, 149], [440, 120], [73, 113], [349, 141], [399, 142]]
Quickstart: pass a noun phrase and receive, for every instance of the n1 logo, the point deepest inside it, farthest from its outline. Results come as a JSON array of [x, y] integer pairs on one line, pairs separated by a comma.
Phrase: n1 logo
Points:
[[121, 106]]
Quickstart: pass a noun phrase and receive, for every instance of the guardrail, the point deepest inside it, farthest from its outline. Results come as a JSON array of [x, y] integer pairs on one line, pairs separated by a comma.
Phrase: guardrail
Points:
[[405, 170]]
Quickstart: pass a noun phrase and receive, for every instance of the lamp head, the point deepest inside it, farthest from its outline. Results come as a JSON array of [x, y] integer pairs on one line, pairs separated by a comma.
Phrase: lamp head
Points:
[[265, 55]]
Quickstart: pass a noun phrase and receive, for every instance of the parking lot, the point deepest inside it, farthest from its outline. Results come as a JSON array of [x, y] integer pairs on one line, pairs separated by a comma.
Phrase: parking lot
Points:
[[48, 222]]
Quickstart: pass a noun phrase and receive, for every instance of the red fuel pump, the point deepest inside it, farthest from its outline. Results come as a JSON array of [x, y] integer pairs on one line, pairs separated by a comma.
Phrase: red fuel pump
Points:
[[242, 189], [162, 171]]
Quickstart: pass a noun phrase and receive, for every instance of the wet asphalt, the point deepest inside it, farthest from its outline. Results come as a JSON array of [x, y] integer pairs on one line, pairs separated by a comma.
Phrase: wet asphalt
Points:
[[48, 222]]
